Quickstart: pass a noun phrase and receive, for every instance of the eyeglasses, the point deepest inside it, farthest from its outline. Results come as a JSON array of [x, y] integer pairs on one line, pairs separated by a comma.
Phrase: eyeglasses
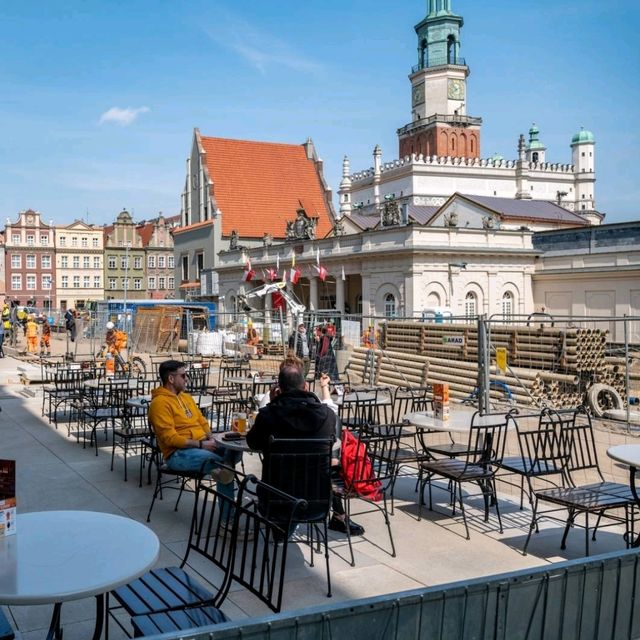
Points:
[[181, 375]]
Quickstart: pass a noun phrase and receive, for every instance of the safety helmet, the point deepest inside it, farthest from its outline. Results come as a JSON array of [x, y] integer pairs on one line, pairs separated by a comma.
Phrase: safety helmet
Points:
[[110, 325]]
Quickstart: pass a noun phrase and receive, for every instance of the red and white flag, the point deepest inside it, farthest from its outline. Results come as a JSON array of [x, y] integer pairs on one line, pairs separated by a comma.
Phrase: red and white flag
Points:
[[322, 272], [272, 274], [248, 274], [294, 275], [294, 272]]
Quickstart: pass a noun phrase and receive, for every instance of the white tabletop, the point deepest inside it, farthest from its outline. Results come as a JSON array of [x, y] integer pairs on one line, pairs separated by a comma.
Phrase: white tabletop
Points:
[[628, 454], [459, 420], [56, 556], [248, 381], [379, 399]]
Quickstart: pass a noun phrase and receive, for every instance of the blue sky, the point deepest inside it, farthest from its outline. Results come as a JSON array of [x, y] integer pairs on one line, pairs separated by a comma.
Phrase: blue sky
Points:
[[98, 99]]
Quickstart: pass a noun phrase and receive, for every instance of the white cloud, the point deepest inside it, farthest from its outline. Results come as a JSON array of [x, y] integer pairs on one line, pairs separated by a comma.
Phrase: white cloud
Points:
[[232, 32], [122, 117]]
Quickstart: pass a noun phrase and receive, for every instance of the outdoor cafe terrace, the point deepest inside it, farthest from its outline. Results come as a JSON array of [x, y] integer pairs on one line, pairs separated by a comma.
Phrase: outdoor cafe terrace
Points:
[[56, 472]]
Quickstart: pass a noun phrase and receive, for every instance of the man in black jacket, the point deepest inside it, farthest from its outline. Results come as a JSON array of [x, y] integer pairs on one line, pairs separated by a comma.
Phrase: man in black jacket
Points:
[[295, 413]]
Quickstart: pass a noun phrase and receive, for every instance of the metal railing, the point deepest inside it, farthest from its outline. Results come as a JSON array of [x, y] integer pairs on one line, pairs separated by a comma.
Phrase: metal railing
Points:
[[457, 61], [576, 599]]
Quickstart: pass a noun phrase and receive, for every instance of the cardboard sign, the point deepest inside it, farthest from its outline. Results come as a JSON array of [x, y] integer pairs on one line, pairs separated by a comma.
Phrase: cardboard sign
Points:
[[453, 341], [7, 497], [441, 401]]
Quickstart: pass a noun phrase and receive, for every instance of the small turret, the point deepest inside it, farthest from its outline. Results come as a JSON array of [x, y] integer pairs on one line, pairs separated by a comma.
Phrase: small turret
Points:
[[535, 149], [345, 188], [583, 156]]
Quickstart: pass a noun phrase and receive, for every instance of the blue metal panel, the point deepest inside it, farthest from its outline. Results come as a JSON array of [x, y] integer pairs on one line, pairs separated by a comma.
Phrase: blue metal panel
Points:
[[577, 599]]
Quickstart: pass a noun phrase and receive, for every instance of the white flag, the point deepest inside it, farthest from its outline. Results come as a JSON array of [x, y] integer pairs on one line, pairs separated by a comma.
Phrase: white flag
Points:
[[318, 256]]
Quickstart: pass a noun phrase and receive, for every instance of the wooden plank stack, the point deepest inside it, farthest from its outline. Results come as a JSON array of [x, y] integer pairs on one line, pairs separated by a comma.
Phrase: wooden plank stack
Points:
[[548, 365]]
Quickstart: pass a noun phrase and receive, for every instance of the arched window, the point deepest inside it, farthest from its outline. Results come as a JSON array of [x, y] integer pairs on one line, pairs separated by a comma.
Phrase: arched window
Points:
[[507, 305], [389, 306], [535, 156], [473, 144], [433, 300], [453, 144], [471, 305], [451, 50]]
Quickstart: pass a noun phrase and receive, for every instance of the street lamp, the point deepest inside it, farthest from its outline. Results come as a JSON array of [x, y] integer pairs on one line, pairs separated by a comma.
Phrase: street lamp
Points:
[[127, 246], [452, 266]]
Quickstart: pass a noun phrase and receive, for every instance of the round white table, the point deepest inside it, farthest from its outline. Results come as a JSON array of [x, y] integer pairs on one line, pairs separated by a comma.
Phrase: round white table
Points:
[[629, 455], [459, 420], [57, 556], [239, 444], [96, 383]]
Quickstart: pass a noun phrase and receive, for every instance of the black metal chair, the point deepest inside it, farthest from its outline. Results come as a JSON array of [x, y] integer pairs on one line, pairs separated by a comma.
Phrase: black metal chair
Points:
[[479, 464], [103, 405], [197, 377], [302, 468], [544, 451], [67, 390], [129, 435], [370, 476], [596, 497], [238, 539]]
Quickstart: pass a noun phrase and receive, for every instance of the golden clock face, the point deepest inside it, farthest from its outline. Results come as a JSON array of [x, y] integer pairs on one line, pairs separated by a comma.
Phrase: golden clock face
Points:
[[418, 94], [455, 89]]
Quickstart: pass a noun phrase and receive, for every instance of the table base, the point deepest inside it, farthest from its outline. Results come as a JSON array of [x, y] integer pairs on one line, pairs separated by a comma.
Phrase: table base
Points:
[[55, 629]]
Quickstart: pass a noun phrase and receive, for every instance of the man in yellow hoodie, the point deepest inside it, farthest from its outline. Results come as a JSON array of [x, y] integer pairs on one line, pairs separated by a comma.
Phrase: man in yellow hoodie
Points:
[[183, 433]]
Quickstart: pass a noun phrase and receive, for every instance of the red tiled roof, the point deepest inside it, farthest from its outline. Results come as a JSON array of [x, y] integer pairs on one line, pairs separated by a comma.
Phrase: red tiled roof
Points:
[[259, 185]]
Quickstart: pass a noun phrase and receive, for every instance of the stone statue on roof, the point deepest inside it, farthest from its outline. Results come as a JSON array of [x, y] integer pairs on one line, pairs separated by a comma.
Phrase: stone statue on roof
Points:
[[338, 228], [390, 214], [303, 227], [233, 241]]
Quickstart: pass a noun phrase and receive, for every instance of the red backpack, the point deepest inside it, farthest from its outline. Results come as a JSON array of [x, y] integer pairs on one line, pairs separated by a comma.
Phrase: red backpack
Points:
[[356, 468]]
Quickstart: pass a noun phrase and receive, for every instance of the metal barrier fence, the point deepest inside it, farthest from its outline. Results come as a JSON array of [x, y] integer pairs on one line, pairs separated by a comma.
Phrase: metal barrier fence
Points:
[[577, 599]]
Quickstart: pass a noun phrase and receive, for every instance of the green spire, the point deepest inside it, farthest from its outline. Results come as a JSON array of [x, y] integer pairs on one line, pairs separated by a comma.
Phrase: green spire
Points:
[[534, 139], [439, 36]]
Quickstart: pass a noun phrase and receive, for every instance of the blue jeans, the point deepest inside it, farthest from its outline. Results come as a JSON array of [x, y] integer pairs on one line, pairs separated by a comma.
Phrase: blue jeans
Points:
[[205, 461]]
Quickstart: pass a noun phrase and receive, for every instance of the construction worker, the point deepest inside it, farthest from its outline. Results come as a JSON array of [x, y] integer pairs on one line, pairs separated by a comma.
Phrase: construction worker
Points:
[[116, 341], [31, 330], [109, 338], [45, 337]]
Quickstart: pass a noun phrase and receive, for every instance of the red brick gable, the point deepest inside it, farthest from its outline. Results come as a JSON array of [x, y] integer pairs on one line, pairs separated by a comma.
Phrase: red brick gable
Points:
[[259, 185]]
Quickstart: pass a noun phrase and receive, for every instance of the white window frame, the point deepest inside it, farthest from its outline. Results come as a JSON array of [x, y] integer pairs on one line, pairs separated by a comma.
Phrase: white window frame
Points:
[[113, 283], [74, 241], [96, 262], [64, 282], [86, 262], [151, 262], [390, 306], [30, 261], [137, 284], [507, 304], [64, 262], [94, 242], [112, 262], [46, 282], [31, 241], [137, 262], [171, 262], [161, 262], [62, 241], [161, 283], [84, 242], [171, 282], [46, 261], [31, 282], [471, 305], [152, 282], [96, 282], [16, 282], [44, 240], [76, 282], [16, 261], [15, 238], [86, 282], [76, 262]]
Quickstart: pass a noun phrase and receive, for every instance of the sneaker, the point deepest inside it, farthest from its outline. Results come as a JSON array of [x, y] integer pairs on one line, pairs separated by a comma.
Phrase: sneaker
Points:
[[243, 534], [223, 475], [335, 524]]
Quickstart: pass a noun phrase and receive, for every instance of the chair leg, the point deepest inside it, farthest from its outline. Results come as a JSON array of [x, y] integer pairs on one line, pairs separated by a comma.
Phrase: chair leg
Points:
[[326, 557], [586, 533], [494, 495], [157, 490], [464, 515], [595, 529], [569, 524], [532, 527], [348, 517], [388, 523]]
